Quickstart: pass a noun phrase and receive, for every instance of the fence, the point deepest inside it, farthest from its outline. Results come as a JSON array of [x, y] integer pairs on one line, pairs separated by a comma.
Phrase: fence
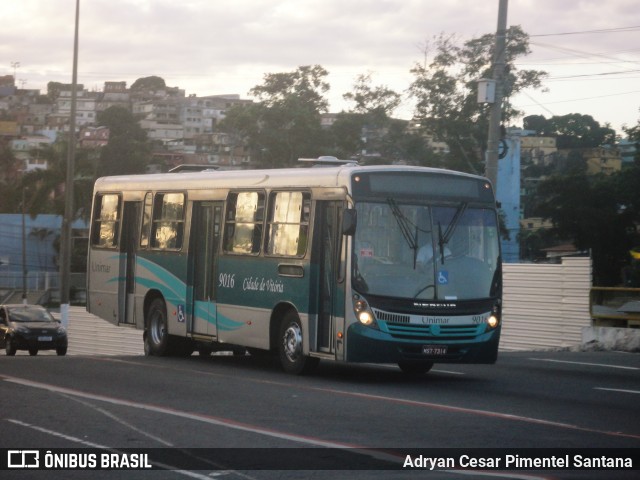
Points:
[[546, 305]]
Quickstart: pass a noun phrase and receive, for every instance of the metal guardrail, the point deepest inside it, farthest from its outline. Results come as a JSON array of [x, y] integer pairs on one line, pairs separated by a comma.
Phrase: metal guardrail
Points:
[[615, 307]]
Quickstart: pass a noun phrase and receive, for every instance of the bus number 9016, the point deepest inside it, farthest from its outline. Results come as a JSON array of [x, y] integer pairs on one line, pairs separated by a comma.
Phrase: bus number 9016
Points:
[[227, 280]]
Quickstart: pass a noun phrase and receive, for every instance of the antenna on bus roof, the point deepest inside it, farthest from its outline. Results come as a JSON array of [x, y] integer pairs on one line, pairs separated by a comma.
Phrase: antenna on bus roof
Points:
[[189, 167], [327, 161]]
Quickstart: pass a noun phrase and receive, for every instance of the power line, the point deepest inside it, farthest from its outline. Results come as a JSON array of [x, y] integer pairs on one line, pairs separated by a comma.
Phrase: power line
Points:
[[581, 32], [602, 74], [580, 53], [574, 99]]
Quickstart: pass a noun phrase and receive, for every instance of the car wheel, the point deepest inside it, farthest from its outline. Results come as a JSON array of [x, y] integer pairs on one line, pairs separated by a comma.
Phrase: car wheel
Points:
[[33, 351], [10, 347], [61, 351]]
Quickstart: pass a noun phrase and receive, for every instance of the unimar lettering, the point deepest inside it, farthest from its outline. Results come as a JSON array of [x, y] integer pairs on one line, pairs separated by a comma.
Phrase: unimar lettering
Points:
[[100, 267], [435, 320]]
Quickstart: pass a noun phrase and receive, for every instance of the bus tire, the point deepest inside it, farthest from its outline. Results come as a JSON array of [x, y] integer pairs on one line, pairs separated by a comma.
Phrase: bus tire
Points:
[[411, 367], [156, 339], [290, 346]]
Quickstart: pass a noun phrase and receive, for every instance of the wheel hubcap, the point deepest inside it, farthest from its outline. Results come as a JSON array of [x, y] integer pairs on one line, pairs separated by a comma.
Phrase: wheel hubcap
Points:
[[292, 341], [156, 328]]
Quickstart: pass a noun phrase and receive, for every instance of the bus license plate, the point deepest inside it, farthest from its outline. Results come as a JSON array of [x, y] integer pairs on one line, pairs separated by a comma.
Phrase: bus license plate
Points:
[[45, 339], [434, 350]]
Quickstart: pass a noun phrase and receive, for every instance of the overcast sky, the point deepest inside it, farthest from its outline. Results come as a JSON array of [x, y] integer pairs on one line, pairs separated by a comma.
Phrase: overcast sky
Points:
[[212, 47]]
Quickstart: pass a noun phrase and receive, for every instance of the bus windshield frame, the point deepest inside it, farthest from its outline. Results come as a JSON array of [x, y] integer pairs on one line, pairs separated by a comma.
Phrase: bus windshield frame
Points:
[[425, 237]]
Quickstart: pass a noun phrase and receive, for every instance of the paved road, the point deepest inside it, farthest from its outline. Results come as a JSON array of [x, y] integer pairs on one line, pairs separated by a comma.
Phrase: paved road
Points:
[[553, 400]]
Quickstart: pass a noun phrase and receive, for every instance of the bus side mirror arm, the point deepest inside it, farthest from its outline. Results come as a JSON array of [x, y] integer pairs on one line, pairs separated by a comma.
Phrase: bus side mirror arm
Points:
[[349, 221]]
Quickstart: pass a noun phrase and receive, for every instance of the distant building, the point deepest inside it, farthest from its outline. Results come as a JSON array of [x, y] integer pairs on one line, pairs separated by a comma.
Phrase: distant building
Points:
[[93, 137], [538, 150], [628, 151], [27, 149], [85, 107], [115, 94], [606, 160]]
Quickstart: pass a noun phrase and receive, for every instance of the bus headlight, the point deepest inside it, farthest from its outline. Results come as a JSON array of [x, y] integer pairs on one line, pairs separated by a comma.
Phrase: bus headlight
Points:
[[363, 312], [493, 320]]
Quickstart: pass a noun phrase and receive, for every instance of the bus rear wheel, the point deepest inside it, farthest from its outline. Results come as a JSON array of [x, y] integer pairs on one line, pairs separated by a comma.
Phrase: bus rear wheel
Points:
[[290, 346], [156, 340]]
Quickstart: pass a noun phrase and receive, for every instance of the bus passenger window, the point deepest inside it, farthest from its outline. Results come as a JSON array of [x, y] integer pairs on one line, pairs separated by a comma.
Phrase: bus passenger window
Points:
[[168, 221], [146, 220], [288, 224], [243, 227], [106, 221]]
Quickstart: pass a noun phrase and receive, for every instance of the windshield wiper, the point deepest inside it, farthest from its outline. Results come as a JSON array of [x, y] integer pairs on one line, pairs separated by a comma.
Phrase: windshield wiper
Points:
[[443, 239], [405, 227]]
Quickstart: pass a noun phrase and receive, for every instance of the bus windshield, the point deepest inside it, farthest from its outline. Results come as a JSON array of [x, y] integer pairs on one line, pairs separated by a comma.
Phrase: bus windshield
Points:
[[427, 252]]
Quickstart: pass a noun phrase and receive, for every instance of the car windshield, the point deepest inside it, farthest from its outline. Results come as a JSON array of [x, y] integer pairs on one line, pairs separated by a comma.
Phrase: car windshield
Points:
[[431, 252], [30, 314]]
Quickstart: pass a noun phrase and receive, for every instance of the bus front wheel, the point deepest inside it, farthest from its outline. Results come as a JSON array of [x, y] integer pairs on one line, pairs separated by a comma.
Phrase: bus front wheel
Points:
[[415, 367], [156, 341], [290, 346]]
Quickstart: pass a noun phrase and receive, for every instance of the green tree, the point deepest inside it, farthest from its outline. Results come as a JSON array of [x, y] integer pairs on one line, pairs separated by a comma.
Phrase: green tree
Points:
[[44, 188], [572, 131], [445, 91], [128, 150], [148, 83], [600, 213], [284, 124], [9, 174], [380, 100], [368, 127]]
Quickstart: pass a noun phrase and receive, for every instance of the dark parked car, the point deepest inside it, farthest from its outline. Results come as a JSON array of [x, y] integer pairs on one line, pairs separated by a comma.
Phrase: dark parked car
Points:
[[30, 327]]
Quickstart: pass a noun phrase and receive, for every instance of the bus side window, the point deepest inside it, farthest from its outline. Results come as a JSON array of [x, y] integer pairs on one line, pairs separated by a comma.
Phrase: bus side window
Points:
[[288, 224], [168, 221], [146, 220], [106, 221], [244, 223]]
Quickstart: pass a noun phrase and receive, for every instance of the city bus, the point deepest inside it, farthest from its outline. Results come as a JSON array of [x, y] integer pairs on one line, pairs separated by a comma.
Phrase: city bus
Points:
[[349, 263]]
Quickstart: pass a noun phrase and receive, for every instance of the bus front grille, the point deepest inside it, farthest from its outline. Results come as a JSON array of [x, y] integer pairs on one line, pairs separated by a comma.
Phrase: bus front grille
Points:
[[433, 332]]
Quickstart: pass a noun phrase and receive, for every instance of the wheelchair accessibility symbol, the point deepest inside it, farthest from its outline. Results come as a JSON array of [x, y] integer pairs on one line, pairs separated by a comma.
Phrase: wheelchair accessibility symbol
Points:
[[443, 277], [181, 316]]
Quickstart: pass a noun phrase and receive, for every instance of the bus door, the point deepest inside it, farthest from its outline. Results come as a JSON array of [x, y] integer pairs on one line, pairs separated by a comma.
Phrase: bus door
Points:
[[128, 244], [206, 227], [328, 255]]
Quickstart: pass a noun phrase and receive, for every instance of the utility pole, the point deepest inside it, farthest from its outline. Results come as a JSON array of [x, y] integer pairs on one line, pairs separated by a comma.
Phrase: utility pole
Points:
[[493, 141], [65, 243], [24, 253]]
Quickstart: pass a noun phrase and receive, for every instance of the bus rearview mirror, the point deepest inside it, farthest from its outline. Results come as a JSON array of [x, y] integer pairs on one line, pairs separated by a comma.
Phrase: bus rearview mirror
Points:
[[349, 221]]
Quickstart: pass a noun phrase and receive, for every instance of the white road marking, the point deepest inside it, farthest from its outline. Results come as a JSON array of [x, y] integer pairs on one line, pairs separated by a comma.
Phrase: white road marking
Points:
[[103, 447], [117, 419], [624, 367], [273, 433], [617, 390], [472, 411]]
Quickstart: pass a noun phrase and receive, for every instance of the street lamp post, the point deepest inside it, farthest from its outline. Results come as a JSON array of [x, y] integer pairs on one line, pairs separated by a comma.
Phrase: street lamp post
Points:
[[65, 244]]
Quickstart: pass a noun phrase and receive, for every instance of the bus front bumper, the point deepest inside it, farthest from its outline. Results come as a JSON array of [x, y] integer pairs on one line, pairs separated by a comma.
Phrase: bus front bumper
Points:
[[365, 344]]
